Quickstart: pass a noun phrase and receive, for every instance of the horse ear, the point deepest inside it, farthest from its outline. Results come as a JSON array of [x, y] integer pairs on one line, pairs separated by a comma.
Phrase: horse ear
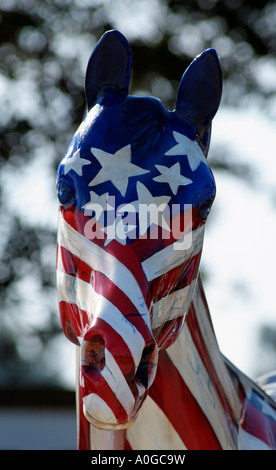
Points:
[[199, 94], [109, 65]]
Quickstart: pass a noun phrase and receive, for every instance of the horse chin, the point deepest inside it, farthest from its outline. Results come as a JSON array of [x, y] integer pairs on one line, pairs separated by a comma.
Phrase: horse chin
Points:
[[104, 425]]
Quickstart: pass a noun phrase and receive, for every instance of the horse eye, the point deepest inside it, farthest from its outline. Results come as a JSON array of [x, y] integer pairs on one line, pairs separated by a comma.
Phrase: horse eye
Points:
[[204, 209], [65, 193]]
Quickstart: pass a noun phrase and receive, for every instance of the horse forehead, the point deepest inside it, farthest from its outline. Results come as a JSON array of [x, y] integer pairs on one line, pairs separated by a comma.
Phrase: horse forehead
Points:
[[134, 120], [155, 147]]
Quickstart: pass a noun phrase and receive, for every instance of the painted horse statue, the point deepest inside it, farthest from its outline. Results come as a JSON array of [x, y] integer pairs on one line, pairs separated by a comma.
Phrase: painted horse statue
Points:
[[135, 191]]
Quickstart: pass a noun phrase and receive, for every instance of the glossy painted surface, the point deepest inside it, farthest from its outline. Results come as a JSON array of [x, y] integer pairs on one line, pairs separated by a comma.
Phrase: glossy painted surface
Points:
[[133, 176], [135, 191]]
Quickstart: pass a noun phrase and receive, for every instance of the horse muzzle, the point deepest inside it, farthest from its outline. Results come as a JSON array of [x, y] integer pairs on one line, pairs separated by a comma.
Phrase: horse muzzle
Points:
[[115, 376]]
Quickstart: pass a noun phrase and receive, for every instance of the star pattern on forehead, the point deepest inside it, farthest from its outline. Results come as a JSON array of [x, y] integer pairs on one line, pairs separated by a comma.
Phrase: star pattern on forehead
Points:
[[116, 168], [151, 209], [75, 163], [119, 230], [189, 147], [145, 196], [172, 176], [147, 200]]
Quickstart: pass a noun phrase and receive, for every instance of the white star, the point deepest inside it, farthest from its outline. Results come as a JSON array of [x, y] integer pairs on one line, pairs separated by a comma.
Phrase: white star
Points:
[[149, 209], [97, 204], [189, 147], [75, 163], [119, 230], [172, 176], [116, 168]]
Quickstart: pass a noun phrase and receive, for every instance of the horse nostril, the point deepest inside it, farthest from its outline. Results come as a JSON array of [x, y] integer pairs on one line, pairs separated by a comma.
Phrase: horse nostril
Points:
[[147, 365], [93, 352]]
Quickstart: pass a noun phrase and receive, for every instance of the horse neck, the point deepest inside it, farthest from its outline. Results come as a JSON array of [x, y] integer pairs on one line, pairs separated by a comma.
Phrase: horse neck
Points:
[[206, 365], [193, 402]]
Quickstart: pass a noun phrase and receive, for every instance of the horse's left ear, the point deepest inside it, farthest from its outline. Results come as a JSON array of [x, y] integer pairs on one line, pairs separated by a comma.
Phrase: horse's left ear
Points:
[[199, 94], [109, 66]]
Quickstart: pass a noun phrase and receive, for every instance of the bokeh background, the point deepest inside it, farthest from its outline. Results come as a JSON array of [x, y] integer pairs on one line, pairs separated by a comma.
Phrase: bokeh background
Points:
[[44, 49]]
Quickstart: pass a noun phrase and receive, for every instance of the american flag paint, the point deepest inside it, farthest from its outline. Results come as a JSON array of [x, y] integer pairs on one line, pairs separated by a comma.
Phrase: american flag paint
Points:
[[135, 190]]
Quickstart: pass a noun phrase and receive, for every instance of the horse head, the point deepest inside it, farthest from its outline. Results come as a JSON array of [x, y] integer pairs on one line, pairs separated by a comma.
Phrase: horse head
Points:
[[135, 191]]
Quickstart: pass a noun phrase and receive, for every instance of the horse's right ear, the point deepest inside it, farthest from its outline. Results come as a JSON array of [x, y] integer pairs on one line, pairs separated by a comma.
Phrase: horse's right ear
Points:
[[109, 66], [199, 94]]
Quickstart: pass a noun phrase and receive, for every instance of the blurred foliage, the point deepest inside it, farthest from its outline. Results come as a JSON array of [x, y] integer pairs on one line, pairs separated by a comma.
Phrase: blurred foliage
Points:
[[44, 48], [268, 336], [267, 344]]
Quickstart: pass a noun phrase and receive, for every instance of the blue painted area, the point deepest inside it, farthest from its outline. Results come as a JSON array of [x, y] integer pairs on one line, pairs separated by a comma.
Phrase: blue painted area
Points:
[[137, 138]]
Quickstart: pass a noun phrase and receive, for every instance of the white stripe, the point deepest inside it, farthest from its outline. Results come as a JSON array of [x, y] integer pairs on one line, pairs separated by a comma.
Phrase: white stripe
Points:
[[172, 305], [186, 359], [101, 439], [249, 442], [171, 256], [152, 430], [117, 382], [100, 260], [212, 346], [74, 290], [98, 409]]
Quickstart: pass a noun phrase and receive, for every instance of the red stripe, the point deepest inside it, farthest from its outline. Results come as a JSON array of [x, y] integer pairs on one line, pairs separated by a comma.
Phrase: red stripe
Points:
[[146, 246], [65, 261], [119, 299], [172, 395], [74, 321], [203, 299], [123, 253], [115, 345], [96, 383], [127, 445], [258, 424], [83, 425], [168, 332], [177, 278], [199, 342], [104, 287]]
